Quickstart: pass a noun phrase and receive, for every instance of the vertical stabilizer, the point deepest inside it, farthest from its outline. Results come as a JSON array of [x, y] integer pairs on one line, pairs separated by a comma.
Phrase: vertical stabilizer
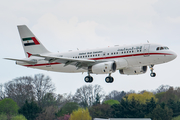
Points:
[[30, 42]]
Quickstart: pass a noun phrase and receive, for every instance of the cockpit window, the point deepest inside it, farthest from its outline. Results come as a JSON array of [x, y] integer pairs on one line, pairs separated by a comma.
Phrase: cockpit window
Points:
[[166, 48], [162, 48]]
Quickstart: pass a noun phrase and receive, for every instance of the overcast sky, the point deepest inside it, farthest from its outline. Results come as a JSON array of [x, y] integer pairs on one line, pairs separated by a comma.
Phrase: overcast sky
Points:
[[63, 25]]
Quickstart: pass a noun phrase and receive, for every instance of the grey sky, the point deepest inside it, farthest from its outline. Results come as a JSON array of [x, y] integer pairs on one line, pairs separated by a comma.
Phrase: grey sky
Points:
[[63, 25]]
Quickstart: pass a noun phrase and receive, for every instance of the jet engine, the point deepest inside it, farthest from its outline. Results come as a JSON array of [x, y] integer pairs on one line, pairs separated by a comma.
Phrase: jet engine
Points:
[[103, 68], [133, 70]]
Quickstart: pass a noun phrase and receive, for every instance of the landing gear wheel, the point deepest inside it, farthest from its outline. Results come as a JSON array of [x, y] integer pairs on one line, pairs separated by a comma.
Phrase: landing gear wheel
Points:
[[88, 79], [153, 74], [109, 79]]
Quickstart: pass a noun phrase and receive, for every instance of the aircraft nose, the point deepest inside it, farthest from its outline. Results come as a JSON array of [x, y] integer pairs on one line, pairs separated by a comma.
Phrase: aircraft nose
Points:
[[174, 55]]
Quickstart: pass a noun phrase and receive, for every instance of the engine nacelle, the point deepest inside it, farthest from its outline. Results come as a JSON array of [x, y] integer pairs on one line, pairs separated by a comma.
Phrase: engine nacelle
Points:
[[133, 70], [103, 68]]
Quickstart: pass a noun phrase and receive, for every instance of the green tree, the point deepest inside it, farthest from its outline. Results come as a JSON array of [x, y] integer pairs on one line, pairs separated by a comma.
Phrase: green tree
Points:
[[111, 102], [68, 108], [165, 96], [19, 117], [100, 111], [30, 110], [3, 116], [161, 114], [176, 118], [8, 107], [150, 106], [175, 106], [142, 97], [80, 114], [128, 109]]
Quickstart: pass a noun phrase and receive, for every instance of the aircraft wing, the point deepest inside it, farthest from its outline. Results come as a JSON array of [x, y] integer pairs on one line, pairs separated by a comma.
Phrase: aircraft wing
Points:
[[27, 61], [79, 63]]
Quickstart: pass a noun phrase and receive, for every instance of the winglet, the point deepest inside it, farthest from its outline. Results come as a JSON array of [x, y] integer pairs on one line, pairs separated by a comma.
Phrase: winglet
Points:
[[29, 54]]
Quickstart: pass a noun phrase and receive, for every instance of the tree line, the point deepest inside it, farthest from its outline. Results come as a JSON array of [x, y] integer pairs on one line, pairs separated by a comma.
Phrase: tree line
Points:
[[33, 98]]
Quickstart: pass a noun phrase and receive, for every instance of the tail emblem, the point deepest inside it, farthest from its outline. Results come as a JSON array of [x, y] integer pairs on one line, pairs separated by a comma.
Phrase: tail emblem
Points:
[[30, 41], [29, 54]]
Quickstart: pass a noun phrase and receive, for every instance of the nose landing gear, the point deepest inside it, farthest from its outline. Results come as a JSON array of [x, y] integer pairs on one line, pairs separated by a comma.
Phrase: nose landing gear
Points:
[[152, 74]]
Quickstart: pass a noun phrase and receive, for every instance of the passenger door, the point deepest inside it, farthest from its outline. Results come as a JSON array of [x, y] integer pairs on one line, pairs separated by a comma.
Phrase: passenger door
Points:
[[146, 50]]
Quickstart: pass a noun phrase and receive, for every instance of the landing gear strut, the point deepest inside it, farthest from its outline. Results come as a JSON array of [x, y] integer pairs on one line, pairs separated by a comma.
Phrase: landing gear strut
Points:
[[109, 79], [88, 78], [152, 74]]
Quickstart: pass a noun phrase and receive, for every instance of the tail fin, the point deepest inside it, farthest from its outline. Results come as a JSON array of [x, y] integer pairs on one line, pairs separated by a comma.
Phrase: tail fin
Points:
[[30, 43]]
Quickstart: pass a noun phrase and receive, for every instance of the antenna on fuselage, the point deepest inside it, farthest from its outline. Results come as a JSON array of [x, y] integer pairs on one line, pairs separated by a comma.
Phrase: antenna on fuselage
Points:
[[147, 41]]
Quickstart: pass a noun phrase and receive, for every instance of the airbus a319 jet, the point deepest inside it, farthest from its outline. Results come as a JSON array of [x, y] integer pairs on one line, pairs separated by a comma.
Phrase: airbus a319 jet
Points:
[[128, 60]]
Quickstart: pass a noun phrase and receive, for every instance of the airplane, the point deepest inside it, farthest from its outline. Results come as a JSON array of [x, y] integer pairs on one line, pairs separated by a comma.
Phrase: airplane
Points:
[[129, 60]]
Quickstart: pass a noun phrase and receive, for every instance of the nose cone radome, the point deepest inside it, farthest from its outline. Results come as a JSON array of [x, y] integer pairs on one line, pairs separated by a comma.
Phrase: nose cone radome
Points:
[[173, 56]]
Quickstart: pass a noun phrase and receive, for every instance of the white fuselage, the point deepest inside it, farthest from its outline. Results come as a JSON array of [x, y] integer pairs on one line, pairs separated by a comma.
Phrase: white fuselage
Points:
[[124, 56]]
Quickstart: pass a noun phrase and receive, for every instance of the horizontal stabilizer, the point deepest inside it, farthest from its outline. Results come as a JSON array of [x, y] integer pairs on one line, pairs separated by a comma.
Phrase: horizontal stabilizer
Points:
[[21, 60]]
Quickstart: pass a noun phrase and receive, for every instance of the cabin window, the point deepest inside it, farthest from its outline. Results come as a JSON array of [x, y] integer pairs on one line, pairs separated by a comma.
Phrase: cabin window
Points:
[[98, 54], [111, 53], [107, 53], [129, 51], [116, 52], [122, 52], [104, 54]]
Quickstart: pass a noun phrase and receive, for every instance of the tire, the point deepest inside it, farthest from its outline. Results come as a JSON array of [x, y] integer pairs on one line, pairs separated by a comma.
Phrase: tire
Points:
[[153, 74]]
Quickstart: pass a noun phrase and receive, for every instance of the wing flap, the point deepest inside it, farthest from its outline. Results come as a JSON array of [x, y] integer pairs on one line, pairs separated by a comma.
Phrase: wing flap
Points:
[[79, 63], [64, 58]]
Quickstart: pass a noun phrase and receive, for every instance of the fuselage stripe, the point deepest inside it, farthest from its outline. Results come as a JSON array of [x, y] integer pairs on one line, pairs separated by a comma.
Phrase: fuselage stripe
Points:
[[102, 58], [121, 56]]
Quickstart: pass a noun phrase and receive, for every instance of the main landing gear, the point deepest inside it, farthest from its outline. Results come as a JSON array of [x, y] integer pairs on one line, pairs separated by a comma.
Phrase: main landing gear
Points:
[[152, 74], [109, 79], [89, 79]]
